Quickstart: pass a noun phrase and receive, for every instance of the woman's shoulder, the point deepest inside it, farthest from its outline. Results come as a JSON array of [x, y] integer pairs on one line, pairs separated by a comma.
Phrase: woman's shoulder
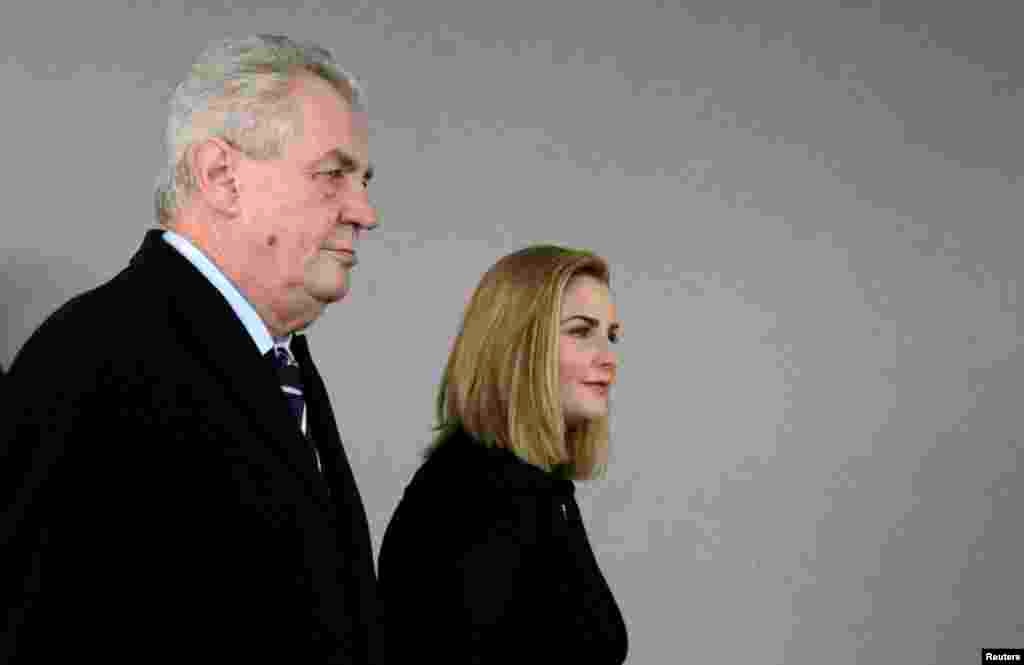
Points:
[[478, 482], [468, 496], [457, 469], [452, 497], [462, 462]]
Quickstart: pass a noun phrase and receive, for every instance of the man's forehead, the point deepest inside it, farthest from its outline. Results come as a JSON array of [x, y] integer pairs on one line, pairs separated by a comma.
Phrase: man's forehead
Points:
[[347, 141], [360, 122], [329, 105], [358, 135]]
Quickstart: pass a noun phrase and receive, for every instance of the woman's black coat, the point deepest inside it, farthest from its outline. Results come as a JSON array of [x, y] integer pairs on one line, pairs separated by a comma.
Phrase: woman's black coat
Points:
[[486, 560]]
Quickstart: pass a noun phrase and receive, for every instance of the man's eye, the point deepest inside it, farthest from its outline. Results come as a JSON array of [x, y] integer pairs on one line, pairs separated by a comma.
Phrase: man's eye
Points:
[[331, 174], [338, 174]]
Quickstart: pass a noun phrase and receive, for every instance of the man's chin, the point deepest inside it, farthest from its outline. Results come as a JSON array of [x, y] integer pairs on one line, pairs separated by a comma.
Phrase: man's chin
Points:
[[330, 290], [328, 286], [328, 296]]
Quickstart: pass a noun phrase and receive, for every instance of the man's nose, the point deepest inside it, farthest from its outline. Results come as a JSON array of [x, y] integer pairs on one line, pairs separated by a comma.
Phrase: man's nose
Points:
[[359, 212]]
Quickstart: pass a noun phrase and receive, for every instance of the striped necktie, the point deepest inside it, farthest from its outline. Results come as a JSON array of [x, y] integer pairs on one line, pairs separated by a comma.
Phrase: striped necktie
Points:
[[290, 378]]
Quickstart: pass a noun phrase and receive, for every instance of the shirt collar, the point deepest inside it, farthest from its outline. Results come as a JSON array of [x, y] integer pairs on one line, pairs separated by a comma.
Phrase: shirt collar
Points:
[[242, 308]]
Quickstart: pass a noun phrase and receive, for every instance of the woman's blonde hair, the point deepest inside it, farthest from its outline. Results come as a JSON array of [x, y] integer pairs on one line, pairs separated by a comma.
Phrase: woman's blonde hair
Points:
[[501, 381]]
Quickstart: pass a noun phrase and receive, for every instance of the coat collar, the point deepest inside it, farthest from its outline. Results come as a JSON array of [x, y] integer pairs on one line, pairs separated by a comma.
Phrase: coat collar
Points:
[[498, 468], [208, 326]]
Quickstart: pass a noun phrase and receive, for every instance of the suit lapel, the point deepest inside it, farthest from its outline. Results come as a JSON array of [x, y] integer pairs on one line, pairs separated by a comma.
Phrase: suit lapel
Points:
[[325, 430], [358, 549], [211, 330], [321, 421]]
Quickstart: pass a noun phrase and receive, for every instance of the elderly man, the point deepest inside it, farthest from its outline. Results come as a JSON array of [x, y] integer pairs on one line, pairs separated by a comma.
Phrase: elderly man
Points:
[[174, 481]]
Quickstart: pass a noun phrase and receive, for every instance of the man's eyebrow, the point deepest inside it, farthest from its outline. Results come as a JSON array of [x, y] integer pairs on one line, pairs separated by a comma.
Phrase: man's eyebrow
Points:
[[591, 321], [346, 162]]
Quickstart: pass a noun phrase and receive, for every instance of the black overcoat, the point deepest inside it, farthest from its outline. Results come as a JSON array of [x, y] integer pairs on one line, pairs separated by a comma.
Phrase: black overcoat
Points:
[[158, 497], [486, 560]]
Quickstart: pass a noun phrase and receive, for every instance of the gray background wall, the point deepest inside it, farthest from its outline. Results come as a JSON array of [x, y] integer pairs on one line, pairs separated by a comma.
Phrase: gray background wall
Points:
[[813, 214]]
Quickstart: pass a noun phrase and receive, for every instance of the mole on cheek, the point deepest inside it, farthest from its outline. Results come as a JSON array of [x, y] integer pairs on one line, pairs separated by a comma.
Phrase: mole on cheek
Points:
[[271, 240]]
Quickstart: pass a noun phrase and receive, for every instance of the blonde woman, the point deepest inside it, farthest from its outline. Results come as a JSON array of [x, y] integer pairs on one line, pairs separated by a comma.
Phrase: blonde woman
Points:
[[486, 559]]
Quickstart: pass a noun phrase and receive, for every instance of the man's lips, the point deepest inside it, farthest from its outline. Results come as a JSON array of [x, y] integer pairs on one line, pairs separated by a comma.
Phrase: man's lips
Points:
[[347, 255]]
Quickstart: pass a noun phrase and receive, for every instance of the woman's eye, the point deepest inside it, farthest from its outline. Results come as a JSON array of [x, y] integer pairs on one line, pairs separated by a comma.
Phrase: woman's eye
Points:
[[580, 332]]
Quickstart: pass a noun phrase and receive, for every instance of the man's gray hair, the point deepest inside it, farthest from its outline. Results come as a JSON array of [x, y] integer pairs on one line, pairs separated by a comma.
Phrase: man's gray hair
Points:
[[239, 90]]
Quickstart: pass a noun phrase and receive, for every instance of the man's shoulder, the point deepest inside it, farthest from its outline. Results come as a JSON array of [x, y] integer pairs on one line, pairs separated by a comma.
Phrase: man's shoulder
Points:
[[129, 303], [117, 294]]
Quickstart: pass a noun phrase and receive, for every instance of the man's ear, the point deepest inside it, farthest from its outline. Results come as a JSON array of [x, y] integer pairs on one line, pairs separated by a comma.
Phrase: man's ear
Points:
[[214, 165]]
